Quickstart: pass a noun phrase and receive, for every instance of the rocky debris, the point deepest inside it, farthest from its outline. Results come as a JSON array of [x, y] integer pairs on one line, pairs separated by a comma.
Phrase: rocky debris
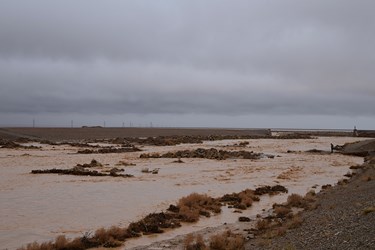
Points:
[[155, 223], [78, 171], [240, 144], [167, 140], [241, 200], [107, 150], [244, 219], [211, 153], [72, 171], [126, 164], [147, 170], [178, 161], [271, 190], [93, 164], [82, 169]]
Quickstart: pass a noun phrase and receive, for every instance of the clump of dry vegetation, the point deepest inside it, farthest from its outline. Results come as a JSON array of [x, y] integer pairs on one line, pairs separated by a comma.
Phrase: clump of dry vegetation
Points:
[[194, 205], [271, 190], [227, 241], [222, 241], [241, 200], [283, 218], [194, 242], [306, 202], [368, 210]]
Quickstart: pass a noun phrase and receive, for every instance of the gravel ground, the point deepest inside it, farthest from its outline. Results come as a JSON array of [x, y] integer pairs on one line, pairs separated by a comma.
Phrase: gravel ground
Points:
[[339, 222]]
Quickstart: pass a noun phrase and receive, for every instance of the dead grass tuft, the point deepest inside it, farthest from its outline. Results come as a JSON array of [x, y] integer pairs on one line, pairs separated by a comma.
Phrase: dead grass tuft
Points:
[[227, 241], [282, 211], [193, 205], [369, 210], [194, 243], [263, 224], [295, 222], [295, 200]]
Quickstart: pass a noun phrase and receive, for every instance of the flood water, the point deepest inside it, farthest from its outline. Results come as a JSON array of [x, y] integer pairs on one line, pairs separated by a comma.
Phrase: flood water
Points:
[[41, 207]]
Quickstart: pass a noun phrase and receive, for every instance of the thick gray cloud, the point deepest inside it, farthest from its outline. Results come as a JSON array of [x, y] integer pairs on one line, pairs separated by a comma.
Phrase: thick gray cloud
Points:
[[180, 58]]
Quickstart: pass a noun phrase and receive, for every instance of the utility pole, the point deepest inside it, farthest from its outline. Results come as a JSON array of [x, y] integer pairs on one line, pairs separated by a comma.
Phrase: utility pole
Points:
[[33, 123], [104, 124], [123, 124]]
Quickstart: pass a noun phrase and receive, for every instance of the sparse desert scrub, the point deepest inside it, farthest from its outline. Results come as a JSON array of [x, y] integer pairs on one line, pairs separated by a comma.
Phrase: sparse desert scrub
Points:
[[191, 206], [263, 224], [227, 241], [296, 200], [282, 211], [294, 222], [241, 200], [194, 242]]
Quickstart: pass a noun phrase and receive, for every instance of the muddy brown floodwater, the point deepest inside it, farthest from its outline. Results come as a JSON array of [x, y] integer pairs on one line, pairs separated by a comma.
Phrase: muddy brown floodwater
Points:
[[40, 207]]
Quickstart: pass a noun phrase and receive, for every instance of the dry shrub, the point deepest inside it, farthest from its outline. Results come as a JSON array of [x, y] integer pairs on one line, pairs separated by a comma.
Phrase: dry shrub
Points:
[[77, 244], [195, 200], [280, 231], [36, 246], [366, 178], [263, 224], [246, 198], [369, 210], [112, 243], [227, 241], [296, 200], [101, 235], [191, 206], [189, 214], [295, 222], [282, 211], [195, 243], [117, 233], [61, 242], [114, 233]]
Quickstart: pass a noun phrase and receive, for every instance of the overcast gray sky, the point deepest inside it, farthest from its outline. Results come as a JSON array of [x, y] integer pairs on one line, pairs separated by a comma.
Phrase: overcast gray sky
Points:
[[264, 63]]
